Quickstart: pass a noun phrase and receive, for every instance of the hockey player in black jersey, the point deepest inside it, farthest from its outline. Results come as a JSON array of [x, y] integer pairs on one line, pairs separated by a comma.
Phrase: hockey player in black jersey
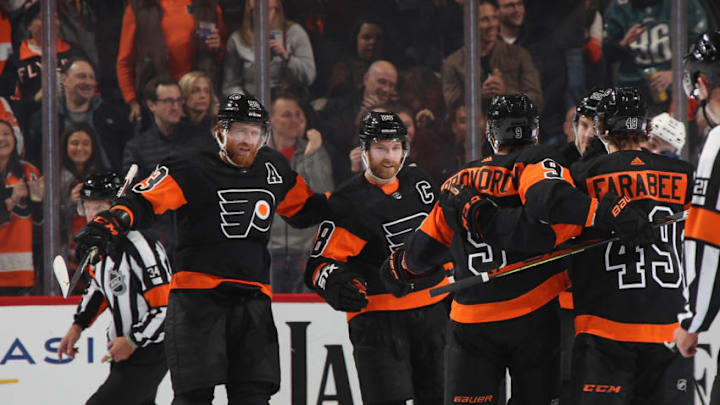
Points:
[[219, 326], [627, 297], [132, 280], [397, 342], [702, 240], [512, 322]]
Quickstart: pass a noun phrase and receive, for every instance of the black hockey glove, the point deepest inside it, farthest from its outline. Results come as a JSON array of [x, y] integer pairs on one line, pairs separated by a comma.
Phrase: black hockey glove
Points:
[[100, 232], [472, 210], [399, 281], [343, 290], [614, 214]]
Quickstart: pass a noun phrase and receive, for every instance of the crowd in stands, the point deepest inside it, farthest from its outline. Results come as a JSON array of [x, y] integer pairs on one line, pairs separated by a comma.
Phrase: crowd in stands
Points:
[[141, 78]]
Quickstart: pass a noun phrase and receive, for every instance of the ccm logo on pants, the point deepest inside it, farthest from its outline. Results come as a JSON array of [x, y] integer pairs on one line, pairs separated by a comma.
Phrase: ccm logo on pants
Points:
[[610, 389]]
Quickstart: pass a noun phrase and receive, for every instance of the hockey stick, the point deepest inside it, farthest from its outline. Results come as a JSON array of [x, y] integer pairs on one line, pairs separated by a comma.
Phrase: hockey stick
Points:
[[61, 274], [90, 255], [575, 248]]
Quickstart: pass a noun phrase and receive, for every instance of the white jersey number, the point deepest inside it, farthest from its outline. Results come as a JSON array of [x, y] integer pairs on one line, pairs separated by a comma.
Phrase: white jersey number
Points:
[[631, 263]]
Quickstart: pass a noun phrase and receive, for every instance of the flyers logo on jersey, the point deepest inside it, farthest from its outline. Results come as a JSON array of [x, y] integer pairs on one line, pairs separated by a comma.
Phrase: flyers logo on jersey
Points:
[[153, 180], [244, 210], [397, 231]]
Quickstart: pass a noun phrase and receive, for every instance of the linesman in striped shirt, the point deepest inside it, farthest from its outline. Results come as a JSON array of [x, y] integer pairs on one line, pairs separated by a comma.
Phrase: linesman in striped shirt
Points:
[[132, 280]]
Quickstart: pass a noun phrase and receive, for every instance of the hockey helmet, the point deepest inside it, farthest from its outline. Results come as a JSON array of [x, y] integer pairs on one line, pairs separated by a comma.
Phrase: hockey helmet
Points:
[[512, 120], [100, 186], [240, 108], [704, 57], [378, 126], [668, 129], [621, 109], [587, 107]]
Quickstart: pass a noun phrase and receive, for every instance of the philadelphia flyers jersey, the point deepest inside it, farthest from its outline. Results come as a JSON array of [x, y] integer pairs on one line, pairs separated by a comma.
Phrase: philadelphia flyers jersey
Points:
[[533, 191], [223, 213], [633, 293], [367, 222]]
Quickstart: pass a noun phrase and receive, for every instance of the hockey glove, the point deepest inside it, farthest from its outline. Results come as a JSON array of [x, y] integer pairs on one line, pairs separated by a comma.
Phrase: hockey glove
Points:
[[472, 210], [399, 281], [614, 214], [343, 290], [100, 232]]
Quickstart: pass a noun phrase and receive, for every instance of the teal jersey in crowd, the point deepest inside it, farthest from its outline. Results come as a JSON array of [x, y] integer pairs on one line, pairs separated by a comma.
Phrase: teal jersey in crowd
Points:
[[653, 48]]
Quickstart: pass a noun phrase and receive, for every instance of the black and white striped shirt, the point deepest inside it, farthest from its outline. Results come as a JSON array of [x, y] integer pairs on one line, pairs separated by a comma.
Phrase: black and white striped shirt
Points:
[[135, 288], [702, 240]]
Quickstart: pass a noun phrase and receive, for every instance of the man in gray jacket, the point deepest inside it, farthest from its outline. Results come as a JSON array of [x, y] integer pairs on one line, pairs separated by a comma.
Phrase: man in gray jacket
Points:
[[505, 68], [303, 147]]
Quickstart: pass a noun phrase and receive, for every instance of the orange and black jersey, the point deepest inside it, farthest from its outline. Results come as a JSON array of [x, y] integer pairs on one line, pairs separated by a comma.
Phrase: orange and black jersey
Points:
[[24, 69], [633, 293], [366, 223], [540, 208], [223, 213]]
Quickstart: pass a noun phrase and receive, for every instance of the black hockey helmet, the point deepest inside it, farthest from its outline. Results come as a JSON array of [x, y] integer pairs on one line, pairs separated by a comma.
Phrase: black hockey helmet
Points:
[[512, 120], [704, 57], [621, 109], [100, 186], [241, 108], [378, 126], [587, 107]]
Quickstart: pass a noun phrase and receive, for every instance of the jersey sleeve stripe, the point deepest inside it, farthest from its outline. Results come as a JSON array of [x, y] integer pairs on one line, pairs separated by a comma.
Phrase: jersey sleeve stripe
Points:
[[624, 332], [703, 224], [295, 198], [389, 302], [436, 227], [343, 244], [591, 212], [563, 232], [536, 173], [165, 195], [512, 308], [158, 296], [126, 210]]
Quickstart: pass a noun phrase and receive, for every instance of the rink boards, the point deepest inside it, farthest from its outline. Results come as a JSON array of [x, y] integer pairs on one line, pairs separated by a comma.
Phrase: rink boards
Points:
[[315, 354]]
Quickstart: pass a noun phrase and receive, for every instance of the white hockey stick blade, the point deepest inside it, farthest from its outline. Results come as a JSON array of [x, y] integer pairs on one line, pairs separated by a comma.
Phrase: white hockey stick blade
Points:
[[61, 275]]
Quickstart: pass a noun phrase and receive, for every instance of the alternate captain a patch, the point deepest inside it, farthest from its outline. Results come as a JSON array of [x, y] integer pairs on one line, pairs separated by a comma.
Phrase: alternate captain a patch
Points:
[[273, 177]]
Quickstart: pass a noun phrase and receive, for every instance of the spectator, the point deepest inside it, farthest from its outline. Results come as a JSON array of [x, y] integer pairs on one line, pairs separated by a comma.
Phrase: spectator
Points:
[[291, 62], [22, 196], [197, 90], [341, 115], [80, 103], [542, 29], [5, 37], [637, 34], [419, 88], [7, 114], [154, 145], [78, 160], [506, 68], [165, 37], [568, 125], [595, 64], [367, 45], [22, 76], [302, 146]]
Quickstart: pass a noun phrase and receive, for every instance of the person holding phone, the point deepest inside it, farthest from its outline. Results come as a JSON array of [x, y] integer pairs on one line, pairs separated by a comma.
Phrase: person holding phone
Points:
[[291, 60]]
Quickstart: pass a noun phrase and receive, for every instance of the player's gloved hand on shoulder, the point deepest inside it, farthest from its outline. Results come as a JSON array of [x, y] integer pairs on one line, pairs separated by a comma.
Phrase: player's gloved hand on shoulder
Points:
[[472, 210], [400, 281], [614, 214], [342, 289], [101, 231]]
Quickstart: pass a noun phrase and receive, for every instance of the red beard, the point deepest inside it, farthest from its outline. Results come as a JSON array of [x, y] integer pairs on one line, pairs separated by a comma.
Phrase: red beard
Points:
[[385, 173], [241, 159]]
